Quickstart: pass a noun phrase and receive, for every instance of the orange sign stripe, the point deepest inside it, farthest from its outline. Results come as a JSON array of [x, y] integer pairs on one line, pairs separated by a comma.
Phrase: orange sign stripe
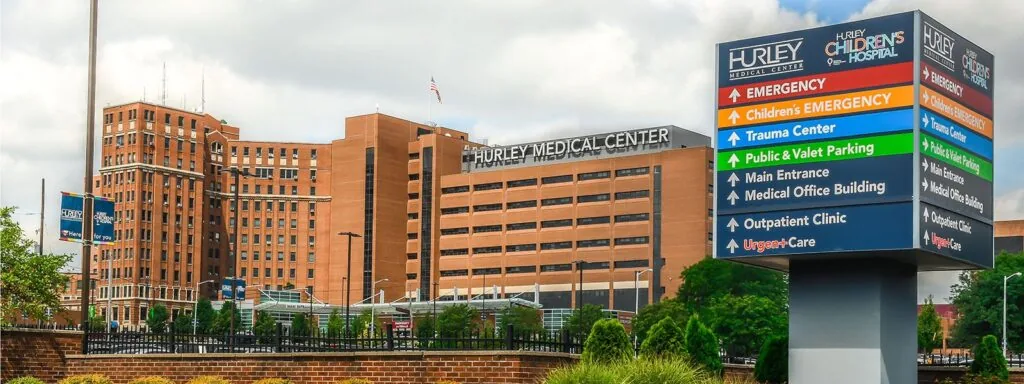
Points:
[[798, 109], [956, 111]]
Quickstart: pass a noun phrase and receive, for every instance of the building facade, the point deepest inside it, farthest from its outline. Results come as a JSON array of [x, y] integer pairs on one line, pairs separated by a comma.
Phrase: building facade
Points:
[[1009, 236]]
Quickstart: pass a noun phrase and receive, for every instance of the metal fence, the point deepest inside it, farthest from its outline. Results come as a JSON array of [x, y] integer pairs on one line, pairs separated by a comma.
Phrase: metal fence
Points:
[[963, 360]]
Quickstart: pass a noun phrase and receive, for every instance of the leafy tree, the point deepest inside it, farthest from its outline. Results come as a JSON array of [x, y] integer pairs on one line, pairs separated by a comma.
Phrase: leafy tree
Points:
[[702, 346], [265, 327], [457, 319], [424, 329], [222, 324], [607, 343], [978, 298], [583, 319], [654, 313], [31, 283], [157, 319], [522, 320], [773, 363], [205, 315], [989, 361], [361, 324], [711, 278], [665, 339], [746, 322], [97, 323], [182, 324], [300, 327], [929, 328], [334, 324]]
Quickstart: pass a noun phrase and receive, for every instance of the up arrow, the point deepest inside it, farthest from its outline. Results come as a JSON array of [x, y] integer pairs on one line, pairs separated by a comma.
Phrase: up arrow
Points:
[[925, 238], [733, 160], [732, 198], [925, 214], [734, 95], [924, 164], [733, 179], [732, 246], [926, 73], [733, 116], [733, 138], [732, 225]]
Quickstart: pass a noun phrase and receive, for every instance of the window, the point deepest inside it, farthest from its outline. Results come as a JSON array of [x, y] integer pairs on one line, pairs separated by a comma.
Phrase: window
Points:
[[522, 204], [413, 216], [487, 186], [289, 173], [487, 207], [486, 271], [555, 267], [411, 236], [311, 257], [556, 223], [521, 248], [414, 156], [522, 183], [593, 175], [455, 272], [454, 231], [632, 217], [454, 211], [595, 265], [521, 269], [414, 176], [556, 201], [312, 154], [291, 273], [556, 245], [556, 179], [410, 256], [593, 220], [632, 263], [414, 196], [632, 195], [309, 273], [485, 250], [592, 243], [593, 198], [632, 240], [632, 171], [263, 173], [459, 189], [455, 252], [312, 191], [167, 118], [410, 276], [487, 228], [521, 226]]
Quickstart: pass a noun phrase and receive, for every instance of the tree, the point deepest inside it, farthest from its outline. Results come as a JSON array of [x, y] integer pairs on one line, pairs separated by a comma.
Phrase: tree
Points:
[[205, 315], [97, 323], [300, 327], [182, 324], [522, 320], [978, 298], [265, 327], [424, 328], [929, 328], [773, 363], [746, 322], [361, 324], [989, 361], [31, 282], [334, 324], [702, 346], [607, 343], [457, 319], [654, 313], [711, 278], [666, 339], [157, 319], [583, 319], [222, 324]]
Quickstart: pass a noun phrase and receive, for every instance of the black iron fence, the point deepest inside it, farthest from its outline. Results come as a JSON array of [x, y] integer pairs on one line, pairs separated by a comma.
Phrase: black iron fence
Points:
[[963, 360]]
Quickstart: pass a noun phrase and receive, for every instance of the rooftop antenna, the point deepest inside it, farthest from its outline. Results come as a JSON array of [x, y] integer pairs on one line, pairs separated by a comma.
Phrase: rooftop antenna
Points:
[[143, 94], [163, 91], [184, 102], [378, 107], [202, 103]]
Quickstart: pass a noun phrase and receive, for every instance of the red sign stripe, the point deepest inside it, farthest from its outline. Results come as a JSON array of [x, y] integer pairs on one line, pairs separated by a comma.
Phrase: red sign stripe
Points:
[[942, 82], [803, 86]]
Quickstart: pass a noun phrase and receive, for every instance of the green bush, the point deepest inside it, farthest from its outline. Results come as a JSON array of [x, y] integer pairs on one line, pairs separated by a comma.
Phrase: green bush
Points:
[[773, 363], [642, 371], [665, 339], [25, 380], [87, 379], [273, 381], [151, 380], [989, 361], [607, 343], [355, 381], [585, 373], [208, 380], [702, 346]]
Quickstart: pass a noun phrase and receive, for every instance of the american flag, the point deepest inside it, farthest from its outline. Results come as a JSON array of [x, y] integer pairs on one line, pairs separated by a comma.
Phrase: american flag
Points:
[[433, 88]]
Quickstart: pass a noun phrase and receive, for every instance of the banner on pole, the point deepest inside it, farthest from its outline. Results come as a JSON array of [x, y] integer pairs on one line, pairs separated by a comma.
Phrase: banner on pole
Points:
[[71, 213]]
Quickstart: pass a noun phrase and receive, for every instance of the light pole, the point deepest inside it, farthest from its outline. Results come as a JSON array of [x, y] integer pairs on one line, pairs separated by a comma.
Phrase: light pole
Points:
[[195, 307], [636, 304], [1005, 279], [579, 267], [90, 135], [237, 172], [373, 301], [348, 278]]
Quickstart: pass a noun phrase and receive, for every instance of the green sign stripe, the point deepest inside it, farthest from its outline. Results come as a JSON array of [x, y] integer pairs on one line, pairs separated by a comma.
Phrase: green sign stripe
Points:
[[846, 149], [956, 157]]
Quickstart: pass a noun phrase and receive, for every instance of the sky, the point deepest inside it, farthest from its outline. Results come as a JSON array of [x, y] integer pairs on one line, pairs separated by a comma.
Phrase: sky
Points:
[[509, 71]]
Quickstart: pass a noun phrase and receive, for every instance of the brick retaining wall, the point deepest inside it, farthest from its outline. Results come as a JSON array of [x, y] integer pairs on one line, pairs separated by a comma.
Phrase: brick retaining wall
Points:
[[39, 353]]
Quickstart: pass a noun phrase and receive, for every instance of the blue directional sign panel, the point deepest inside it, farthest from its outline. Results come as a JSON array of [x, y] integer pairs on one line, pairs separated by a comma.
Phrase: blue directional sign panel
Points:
[[817, 129], [955, 134], [956, 236], [826, 230], [72, 212]]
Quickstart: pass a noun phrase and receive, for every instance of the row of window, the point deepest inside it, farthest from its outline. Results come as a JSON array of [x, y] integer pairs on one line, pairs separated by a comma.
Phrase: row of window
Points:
[[633, 240], [281, 205], [256, 223], [280, 239], [280, 256], [639, 194], [582, 221], [147, 115], [640, 263], [270, 152], [280, 272], [548, 180]]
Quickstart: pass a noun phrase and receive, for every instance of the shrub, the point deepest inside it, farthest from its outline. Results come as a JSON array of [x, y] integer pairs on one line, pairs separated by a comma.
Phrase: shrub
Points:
[[655, 370], [151, 380], [773, 363], [665, 339], [25, 380], [355, 381], [702, 346], [584, 373], [86, 379], [273, 381], [607, 343], [989, 360], [208, 380]]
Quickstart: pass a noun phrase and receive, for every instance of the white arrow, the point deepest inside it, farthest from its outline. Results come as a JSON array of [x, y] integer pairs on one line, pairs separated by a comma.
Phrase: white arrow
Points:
[[924, 164], [925, 238], [733, 179], [924, 184], [734, 95], [924, 121], [733, 116], [732, 246], [926, 73], [733, 160], [732, 225], [925, 96], [733, 138], [925, 214], [732, 198], [923, 144]]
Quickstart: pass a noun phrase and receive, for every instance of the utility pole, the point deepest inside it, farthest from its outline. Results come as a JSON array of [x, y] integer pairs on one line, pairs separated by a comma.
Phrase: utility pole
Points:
[[237, 172], [42, 215], [579, 290], [348, 279], [87, 215]]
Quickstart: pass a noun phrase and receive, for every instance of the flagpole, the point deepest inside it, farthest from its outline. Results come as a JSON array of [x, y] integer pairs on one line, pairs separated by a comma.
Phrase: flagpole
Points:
[[430, 104]]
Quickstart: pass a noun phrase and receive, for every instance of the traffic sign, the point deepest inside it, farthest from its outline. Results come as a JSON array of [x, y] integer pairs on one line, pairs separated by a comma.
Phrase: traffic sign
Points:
[[956, 236], [817, 129]]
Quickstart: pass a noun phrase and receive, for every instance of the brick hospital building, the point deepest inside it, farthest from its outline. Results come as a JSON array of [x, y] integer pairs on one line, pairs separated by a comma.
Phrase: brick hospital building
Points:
[[438, 215]]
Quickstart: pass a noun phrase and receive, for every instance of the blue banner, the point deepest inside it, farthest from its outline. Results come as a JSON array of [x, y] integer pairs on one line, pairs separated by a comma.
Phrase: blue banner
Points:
[[815, 231], [956, 134], [72, 212], [103, 223], [817, 129], [239, 289]]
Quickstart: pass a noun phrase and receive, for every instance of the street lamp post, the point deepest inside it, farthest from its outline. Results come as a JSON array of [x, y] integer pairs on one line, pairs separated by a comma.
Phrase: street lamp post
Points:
[[1006, 279], [636, 303], [373, 301], [348, 278], [195, 307], [579, 267], [237, 172]]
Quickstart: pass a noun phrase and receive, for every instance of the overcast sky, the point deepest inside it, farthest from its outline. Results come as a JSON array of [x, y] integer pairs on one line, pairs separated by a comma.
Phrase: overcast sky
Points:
[[509, 71]]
